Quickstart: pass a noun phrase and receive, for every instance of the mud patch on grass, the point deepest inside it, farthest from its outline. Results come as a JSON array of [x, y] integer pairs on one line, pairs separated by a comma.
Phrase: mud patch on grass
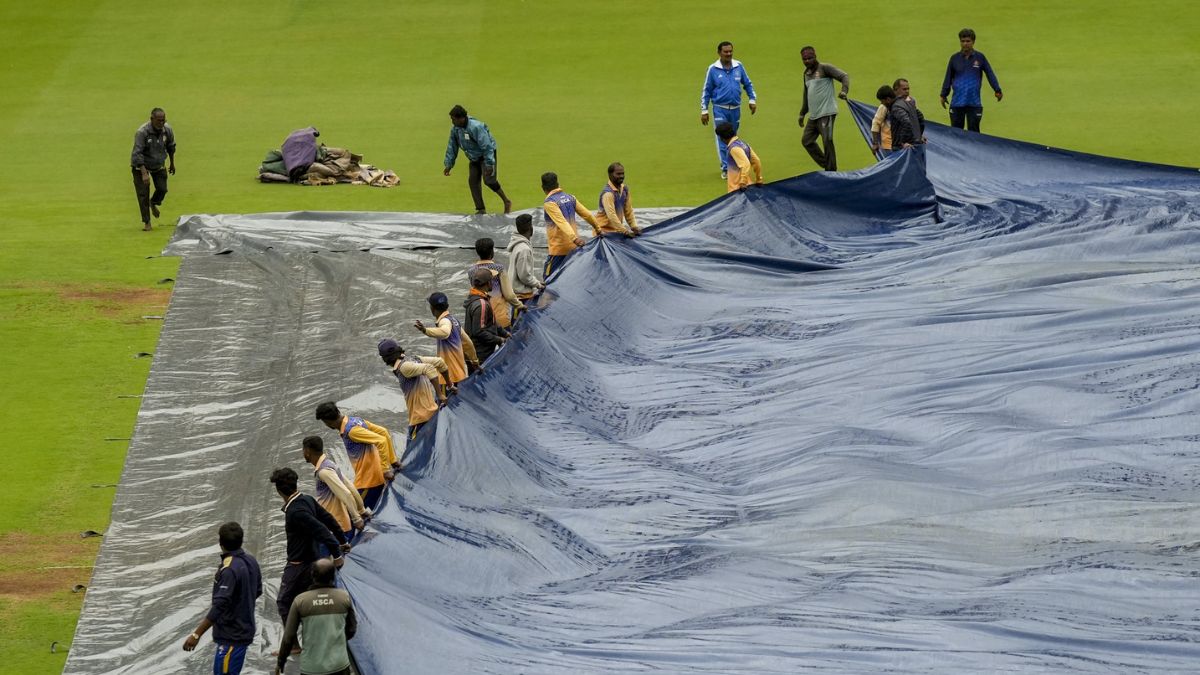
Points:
[[48, 565], [120, 302]]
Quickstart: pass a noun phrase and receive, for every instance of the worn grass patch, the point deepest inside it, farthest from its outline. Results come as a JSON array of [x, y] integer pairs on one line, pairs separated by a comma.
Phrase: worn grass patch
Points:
[[119, 302], [60, 562]]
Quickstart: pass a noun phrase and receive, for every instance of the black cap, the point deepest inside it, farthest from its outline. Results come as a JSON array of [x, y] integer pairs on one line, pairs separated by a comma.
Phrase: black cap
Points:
[[389, 346]]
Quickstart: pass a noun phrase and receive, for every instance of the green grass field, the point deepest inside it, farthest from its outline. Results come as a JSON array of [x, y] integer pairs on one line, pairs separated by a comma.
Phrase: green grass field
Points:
[[567, 87]]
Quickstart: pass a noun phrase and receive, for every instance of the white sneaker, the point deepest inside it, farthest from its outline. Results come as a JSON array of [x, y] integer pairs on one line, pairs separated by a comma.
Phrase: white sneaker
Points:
[[724, 175]]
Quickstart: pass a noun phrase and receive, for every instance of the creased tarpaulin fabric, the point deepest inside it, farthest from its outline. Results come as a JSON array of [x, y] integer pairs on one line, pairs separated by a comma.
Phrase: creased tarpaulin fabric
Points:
[[937, 415]]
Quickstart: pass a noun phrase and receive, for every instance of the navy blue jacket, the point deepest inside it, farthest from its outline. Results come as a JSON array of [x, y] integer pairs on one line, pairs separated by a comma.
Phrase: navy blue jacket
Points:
[[235, 592], [965, 75]]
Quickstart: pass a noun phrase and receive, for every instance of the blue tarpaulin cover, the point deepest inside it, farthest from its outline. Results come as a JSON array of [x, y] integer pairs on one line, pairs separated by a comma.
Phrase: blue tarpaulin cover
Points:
[[936, 415]]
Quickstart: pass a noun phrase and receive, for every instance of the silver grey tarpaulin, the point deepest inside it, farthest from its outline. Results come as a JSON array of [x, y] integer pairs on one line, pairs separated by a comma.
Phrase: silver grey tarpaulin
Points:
[[937, 415]]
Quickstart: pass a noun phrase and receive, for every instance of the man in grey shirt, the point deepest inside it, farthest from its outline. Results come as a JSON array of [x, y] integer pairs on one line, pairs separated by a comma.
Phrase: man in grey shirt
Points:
[[821, 107], [520, 264], [325, 616], [153, 144]]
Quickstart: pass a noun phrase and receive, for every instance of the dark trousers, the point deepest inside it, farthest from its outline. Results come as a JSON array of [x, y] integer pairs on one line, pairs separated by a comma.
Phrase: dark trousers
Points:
[[296, 579], [412, 431], [371, 496], [972, 115], [553, 262], [823, 127], [159, 176], [476, 175], [347, 536]]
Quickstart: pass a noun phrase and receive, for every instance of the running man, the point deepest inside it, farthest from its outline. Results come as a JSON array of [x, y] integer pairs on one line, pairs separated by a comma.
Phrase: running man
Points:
[[475, 140], [153, 145]]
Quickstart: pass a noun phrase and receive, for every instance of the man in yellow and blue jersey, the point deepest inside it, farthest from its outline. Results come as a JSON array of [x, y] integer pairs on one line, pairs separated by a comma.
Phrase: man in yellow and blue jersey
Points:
[[420, 379], [744, 166], [370, 449], [502, 299], [615, 213], [334, 492], [453, 345], [723, 84], [562, 232], [236, 589]]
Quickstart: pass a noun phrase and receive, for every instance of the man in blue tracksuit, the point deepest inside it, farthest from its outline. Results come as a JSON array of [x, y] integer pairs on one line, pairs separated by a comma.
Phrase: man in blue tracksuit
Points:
[[236, 588], [965, 74], [723, 84], [475, 140]]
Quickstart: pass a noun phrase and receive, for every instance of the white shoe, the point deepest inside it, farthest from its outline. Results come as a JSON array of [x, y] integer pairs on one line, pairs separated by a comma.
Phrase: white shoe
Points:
[[724, 175]]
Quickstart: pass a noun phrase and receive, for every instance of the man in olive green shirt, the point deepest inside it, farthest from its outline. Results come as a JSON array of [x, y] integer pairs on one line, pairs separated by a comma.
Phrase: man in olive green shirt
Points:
[[328, 621], [821, 107], [153, 145]]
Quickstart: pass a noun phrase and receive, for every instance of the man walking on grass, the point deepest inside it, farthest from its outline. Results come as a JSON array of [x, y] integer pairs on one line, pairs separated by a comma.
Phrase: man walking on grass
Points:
[[821, 107], [475, 140], [153, 145], [723, 84], [965, 74]]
